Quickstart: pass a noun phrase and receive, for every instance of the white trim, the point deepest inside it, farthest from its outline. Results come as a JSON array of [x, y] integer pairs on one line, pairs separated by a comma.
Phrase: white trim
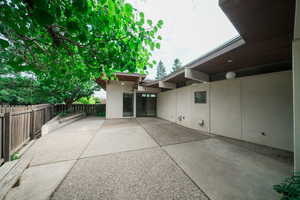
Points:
[[168, 85]]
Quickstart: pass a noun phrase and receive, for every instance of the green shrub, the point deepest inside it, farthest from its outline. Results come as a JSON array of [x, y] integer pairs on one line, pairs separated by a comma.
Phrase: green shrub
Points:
[[289, 188], [100, 114], [15, 156]]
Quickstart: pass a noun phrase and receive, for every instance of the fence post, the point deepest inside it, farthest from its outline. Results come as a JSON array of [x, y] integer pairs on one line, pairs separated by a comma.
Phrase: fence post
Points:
[[7, 135], [44, 113], [32, 136]]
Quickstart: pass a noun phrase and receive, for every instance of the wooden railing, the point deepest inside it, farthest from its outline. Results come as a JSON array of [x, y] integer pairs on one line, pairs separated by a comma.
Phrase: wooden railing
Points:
[[89, 109], [19, 124]]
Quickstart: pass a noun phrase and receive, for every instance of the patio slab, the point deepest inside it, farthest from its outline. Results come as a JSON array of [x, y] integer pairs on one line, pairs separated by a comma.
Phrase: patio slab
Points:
[[152, 120], [38, 184], [120, 123], [145, 174], [226, 171], [66, 143], [171, 133], [117, 137]]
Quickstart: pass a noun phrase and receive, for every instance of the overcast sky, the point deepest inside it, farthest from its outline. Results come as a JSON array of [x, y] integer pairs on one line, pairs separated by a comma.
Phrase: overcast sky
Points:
[[191, 28]]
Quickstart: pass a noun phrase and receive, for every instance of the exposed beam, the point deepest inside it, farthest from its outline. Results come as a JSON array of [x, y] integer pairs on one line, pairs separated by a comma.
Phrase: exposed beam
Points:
[[148, 89], [168, 85], [195, 75]]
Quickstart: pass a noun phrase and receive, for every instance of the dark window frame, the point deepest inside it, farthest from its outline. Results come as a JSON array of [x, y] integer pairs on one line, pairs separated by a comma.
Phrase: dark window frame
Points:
[[200, 97]]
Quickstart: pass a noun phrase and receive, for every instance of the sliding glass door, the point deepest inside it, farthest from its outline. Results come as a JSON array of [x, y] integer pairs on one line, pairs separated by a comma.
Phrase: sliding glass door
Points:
[[127, 104], [145, 105]]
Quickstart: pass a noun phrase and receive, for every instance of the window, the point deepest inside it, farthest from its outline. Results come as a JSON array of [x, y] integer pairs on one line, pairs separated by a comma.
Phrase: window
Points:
[[200, 97]]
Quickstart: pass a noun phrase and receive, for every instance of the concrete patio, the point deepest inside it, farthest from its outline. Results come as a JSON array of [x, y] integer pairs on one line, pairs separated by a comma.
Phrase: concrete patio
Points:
[[148, 158]]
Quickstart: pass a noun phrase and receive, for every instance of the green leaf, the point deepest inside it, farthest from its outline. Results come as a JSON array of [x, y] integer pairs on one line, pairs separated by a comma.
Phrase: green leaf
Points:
[[80, 5], [149, 22], [128, 8], [68, 13], [82, 37], [142, 15], [159, 37], [41, 4], [3, 43], [157, 45], [43, 17], [73, 26], [160, 23]]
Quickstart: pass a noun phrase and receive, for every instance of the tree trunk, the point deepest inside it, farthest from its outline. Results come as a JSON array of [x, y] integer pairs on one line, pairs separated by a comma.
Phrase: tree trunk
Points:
[[68, 103]]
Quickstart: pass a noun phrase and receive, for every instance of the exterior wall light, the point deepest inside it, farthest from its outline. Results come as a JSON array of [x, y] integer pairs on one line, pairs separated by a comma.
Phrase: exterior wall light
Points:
[[230, 75]]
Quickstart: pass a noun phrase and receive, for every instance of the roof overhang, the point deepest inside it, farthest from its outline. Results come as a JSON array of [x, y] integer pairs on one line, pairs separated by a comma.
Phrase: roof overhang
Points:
[[121, 76], [266, 33], [265, 41], [264, 44]]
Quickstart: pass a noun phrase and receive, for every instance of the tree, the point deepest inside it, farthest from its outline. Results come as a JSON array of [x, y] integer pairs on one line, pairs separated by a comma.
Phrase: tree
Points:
[[15, 88], [54, 88], [103, 36], [177, 65], [75, 41], [23, 88], [160, 71]]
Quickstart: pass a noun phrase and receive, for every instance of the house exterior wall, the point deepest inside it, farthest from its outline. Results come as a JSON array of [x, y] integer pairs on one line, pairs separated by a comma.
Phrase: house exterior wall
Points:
[[267, 108], [296, 84], [114, 97], [167, 105], [296, 75], [199, 112], [226, 108], [257, 109]]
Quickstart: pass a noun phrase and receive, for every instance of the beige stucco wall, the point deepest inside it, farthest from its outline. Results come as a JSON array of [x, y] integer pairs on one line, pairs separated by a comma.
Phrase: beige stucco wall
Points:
[[296, 75], [167, 105], [114, 97], [199, 112], [180, 102], [242, 108], [183, 106], [267, 107], [226, 108]]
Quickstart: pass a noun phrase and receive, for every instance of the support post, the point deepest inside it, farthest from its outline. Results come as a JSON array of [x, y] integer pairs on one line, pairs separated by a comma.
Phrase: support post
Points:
[[296, 87], [32, 115], [7, 136]]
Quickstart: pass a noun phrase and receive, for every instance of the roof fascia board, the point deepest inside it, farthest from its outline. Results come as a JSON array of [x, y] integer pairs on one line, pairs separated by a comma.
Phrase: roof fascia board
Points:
[[174, 74], [133, 75], [229, 46], [168, 85], [148, 89], [149, 83]]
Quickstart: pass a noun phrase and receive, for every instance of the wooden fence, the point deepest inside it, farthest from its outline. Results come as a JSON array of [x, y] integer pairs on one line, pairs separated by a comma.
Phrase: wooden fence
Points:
[[19, 124], [90, 109]]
